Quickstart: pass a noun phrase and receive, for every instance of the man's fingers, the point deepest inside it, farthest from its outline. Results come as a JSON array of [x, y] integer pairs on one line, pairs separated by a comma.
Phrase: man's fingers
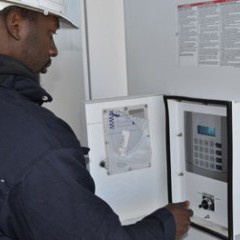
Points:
[[190, 212]]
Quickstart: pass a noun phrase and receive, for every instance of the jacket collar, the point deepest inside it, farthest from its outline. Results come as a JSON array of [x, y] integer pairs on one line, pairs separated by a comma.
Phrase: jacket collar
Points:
[[15, 75]]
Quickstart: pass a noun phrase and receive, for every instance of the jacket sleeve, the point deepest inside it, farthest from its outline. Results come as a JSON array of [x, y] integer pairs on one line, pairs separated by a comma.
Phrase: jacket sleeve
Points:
[[55, 200]]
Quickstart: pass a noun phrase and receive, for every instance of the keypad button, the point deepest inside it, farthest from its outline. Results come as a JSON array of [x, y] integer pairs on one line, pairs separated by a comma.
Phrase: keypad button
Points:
[[211, 165], [211, 143], [219, 153], [206, 143], [218, 145]]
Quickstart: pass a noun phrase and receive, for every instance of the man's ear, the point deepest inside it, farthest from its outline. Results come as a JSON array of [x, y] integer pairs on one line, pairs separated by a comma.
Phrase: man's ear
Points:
[[14, 24]]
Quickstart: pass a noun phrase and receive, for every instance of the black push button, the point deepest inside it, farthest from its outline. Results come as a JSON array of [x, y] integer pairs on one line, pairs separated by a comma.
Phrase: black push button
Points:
[[218, 145], [219, 153]]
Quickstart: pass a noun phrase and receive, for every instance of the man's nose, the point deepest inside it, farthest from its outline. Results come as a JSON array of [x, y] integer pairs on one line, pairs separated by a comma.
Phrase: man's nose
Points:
[[53, 51]]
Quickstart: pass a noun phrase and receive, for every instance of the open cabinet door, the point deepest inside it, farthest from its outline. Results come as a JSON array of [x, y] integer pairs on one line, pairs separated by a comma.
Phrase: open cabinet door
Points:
[[128, 154]]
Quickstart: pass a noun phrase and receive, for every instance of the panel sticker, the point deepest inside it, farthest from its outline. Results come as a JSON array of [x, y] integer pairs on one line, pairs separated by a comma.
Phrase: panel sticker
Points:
[[127, 138]]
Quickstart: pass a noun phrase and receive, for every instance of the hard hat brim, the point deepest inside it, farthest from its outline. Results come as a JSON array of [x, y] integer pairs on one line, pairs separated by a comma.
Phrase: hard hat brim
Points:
[[63, 20]]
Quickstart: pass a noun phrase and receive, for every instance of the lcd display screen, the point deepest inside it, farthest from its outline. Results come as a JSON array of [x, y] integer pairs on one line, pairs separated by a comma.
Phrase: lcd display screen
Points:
[[208, 131]]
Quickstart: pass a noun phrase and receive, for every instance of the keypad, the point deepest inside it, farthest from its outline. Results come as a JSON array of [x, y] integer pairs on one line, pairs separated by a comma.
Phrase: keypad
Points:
[[207, 154]]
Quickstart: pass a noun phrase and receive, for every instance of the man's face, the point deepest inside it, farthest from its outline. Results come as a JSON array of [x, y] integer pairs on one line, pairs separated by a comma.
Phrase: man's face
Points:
[[38, 44]]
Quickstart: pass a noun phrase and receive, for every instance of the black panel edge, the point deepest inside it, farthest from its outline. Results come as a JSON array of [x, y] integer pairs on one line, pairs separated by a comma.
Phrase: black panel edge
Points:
[[230, 170], [168, 151], [228, 106], [209, 231], [198, 100]]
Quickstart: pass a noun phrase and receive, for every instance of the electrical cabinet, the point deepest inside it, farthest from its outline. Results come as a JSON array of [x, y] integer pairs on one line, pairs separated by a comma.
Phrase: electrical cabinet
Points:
[[150, 150]]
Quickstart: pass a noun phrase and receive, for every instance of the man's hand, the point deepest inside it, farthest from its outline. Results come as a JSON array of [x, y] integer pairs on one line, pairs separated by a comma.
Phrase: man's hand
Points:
[[181, 214]]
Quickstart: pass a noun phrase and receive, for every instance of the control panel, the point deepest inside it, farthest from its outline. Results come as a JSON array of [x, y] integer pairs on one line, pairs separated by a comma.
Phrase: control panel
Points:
[[199, 160], [206, 144]]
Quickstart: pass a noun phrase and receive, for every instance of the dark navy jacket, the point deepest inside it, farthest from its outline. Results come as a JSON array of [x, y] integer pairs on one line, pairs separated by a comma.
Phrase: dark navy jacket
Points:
[[46, 193]]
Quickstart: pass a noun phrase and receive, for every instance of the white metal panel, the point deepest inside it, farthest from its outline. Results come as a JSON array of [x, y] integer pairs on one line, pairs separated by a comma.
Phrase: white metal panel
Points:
[[139, 192]]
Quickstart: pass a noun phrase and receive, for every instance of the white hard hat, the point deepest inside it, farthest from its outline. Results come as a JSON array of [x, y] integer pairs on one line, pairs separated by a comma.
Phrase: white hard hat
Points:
[[54, 7]]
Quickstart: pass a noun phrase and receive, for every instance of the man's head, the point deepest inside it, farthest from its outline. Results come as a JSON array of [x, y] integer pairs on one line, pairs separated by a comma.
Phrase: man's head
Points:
[[26, 31]]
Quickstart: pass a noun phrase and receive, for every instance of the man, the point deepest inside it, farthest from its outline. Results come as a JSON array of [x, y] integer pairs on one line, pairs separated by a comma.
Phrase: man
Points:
[[46, 193]]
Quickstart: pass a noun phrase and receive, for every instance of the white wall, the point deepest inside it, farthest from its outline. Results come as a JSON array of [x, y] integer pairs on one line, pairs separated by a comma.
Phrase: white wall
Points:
[[152, 54], [106, 48]]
